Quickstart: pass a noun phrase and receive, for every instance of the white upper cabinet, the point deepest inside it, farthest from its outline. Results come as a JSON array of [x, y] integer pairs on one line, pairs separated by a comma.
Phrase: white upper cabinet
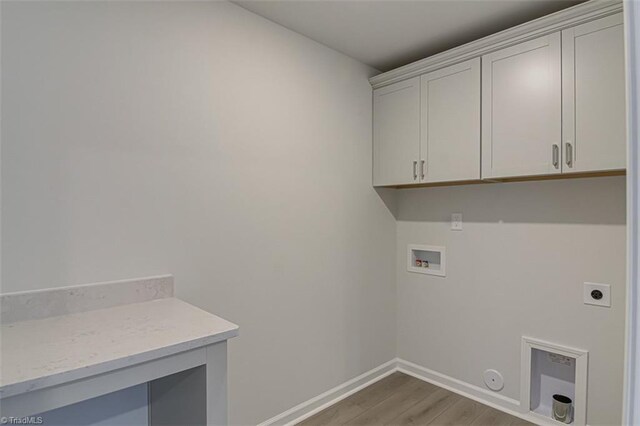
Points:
[[450, 120], [396, 133], [593, 127], [550, 105], [521, 109]]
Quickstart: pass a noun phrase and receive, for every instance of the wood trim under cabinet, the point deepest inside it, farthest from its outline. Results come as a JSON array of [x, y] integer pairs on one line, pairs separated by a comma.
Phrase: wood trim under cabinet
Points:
[[514, 179]]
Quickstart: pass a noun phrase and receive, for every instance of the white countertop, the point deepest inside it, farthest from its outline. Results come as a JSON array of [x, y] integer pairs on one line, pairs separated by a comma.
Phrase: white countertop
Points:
[[40, 353]]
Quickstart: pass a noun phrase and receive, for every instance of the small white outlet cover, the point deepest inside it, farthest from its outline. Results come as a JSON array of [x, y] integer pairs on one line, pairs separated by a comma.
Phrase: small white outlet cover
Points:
[[493, 379], [456, 221], [597, 294]]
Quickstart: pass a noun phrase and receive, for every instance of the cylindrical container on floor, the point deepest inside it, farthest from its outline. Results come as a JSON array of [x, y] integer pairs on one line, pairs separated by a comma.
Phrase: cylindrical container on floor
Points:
[[562, 408]]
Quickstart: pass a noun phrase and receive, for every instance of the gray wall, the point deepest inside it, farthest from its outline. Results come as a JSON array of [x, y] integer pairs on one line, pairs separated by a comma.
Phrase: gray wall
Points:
[[142, 138], [517, 268]]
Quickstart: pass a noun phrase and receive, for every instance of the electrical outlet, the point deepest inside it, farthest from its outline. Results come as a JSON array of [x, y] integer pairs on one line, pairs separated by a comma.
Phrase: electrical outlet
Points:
[[456, 221], [597, 294]]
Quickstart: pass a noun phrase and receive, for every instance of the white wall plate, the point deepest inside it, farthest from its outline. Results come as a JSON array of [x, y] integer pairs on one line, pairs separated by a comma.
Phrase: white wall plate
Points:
[[597, 294], [456, 221], [493, 379]]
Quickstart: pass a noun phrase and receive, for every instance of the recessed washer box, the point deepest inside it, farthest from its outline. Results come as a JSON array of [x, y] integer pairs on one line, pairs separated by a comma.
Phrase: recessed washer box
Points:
[[428, 260], [548, 369]]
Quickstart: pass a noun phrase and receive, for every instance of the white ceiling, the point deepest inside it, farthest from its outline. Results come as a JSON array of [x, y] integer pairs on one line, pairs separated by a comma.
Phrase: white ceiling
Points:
[[388, 33]]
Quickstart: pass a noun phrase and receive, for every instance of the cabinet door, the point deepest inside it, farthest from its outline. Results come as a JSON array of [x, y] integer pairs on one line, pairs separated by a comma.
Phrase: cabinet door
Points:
[[396, 133], [450, 136], [521, 109], [594, 96]]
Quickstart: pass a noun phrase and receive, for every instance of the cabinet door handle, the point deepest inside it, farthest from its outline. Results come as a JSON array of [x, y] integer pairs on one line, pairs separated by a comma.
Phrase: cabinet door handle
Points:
[[556, 156], [422, 169], [569, 154], [415, 169]]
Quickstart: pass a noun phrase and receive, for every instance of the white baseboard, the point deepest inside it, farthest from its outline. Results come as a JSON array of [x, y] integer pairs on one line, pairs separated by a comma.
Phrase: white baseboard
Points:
[[484, 396], [314, 405], [476, 393], [330, 397]]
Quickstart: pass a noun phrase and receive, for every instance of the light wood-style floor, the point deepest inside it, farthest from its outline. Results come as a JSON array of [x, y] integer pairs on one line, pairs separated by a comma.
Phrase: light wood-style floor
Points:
[[400, 399]]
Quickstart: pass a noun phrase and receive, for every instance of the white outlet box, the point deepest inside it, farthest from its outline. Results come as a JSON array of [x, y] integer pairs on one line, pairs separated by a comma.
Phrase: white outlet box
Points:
[[594, 290], [456, 221], [428, 260]]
